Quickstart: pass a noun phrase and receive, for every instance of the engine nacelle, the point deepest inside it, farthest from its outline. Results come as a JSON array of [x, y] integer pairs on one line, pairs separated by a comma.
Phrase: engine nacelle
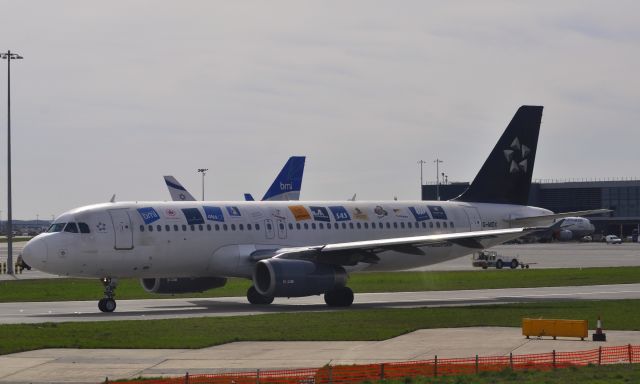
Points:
[[565, 235], [296, 278], [182, 285]]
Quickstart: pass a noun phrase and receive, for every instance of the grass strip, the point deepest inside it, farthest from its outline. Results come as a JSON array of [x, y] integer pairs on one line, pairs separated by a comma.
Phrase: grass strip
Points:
[[84, 289], [346, 325]]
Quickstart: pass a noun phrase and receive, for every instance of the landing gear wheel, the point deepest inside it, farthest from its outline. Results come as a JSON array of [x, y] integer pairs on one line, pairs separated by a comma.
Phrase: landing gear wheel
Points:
[[255, 297], [499, 264], [339, 297], [514, 263], [108, 303]]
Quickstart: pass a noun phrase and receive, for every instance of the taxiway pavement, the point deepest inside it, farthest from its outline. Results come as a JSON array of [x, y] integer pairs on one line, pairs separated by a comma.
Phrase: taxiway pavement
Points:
[[61, 311], [94, 365]]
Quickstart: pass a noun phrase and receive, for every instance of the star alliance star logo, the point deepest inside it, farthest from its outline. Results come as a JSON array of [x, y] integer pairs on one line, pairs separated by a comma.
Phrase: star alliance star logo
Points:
[[102, 227], [517, 156]]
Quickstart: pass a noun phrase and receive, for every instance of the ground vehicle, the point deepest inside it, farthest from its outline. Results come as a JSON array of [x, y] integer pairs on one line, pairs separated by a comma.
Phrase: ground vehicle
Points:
[[612, 239], [486, 259]]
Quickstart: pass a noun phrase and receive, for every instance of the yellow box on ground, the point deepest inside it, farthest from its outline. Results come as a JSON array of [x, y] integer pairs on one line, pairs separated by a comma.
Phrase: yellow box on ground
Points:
[[554, 327]]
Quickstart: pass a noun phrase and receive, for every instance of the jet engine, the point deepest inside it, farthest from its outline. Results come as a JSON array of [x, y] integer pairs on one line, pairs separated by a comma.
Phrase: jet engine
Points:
[[565, 235], [182, 285], [296, 278]]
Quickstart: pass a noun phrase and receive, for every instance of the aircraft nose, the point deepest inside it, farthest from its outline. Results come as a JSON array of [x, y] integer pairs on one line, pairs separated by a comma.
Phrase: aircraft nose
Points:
[[34, 252]]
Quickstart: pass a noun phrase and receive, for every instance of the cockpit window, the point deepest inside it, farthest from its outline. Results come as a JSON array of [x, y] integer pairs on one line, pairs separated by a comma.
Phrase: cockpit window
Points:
[[84, 228], [56, 227], [71, 227]]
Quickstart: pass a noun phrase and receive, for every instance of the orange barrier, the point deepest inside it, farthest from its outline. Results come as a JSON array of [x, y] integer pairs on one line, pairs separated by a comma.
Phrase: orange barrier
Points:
[[554, 327], [343, 374]]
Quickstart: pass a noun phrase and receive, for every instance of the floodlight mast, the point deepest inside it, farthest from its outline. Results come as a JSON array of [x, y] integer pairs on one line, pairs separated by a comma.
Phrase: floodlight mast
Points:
[[9, 56]]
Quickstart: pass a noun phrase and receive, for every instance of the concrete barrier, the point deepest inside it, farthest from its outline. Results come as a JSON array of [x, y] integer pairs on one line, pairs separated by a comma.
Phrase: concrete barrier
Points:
[[554, 328]]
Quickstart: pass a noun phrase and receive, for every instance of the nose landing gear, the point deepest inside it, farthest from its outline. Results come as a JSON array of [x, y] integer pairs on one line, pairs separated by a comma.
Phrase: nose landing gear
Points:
[[108, 303]]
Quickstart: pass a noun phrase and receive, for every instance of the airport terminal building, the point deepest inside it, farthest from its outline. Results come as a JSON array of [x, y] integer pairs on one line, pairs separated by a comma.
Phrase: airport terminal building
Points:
[[621, 196]]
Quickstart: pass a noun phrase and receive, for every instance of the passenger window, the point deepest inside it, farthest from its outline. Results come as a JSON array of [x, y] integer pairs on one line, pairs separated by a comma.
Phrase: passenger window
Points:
[[321, 226], [248, 227], [175, 227], [84, 228], [408, 225], [217, 227], [344, 225], [431, 224], [290, 226], [366, 225], [257, 227], [336, 225], [233, 227], [269, 227], [313, 225], [241, 227], [167, 228], [350, 225], [297, 225], [424, 225], [444, 224], [224, 227], [358, 225], [192, 227], [159, 227], [150, 228], [142, 228], [200, 227], [306, 226], [184, 227], [451, 224], [402, 224], [395, 224], [438, 224], [71, 227], [388, 225], [281, 226]]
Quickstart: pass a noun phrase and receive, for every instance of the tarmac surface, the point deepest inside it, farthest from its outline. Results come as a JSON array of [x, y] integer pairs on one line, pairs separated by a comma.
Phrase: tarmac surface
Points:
[[94, 365], [39, 312]]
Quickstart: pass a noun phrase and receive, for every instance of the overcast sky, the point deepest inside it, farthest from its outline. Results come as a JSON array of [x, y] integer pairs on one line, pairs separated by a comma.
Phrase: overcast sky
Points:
[[113, 95]]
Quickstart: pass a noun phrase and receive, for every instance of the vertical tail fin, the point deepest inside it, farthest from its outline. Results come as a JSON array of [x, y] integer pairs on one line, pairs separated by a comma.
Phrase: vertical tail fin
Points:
[[289, 181], [248, 197], [505, 177], [177, 191]]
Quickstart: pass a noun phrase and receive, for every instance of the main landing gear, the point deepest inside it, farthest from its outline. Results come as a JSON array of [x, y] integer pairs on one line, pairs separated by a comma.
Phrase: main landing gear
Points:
[[108, 303], [339, 297], [255, 297]]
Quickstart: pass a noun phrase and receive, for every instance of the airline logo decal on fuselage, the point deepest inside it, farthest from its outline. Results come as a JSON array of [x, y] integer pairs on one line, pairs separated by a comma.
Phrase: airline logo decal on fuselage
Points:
[[420, 213], [320, 213], [340, 213], [299, 212], [359, 214], [437, 212], [213, 213], [234, 212], [380, 212], [148, 214], [193, 216]]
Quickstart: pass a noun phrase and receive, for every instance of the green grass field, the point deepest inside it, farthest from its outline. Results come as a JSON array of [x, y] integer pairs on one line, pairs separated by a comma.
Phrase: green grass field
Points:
[[82, 289], [346, 324]]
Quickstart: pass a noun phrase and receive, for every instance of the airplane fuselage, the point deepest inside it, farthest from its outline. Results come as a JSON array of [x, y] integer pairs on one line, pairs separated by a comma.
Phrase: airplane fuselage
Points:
[[200, 239]]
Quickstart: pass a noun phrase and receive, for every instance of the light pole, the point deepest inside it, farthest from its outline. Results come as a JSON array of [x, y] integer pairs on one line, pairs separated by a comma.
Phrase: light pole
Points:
[[422, 163], [204, 172], [438, 161], [9, 56]]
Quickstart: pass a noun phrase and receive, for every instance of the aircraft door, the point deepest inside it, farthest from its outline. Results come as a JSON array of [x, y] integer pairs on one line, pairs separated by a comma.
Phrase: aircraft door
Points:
[[269, 231], [122, 228], [282, 229], [474, 218]]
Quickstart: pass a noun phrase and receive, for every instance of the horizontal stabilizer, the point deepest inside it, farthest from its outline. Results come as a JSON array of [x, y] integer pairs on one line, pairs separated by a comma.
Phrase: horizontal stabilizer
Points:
[[540, 220]]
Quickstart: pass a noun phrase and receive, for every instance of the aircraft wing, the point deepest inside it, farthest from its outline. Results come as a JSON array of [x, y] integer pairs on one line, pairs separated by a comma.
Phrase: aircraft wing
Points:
[[540, 220], [351, 253]]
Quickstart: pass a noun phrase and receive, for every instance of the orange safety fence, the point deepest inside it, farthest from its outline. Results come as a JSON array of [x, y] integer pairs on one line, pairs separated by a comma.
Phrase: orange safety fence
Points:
[[343, 374]]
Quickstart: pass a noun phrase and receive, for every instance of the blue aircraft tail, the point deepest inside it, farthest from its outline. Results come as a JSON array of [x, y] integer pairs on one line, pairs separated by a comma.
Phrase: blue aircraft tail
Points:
[[289, 181]]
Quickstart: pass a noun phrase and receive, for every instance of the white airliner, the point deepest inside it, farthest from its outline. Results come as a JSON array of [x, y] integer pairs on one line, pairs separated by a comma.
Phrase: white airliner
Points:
[[292, 249], [574, 228]]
